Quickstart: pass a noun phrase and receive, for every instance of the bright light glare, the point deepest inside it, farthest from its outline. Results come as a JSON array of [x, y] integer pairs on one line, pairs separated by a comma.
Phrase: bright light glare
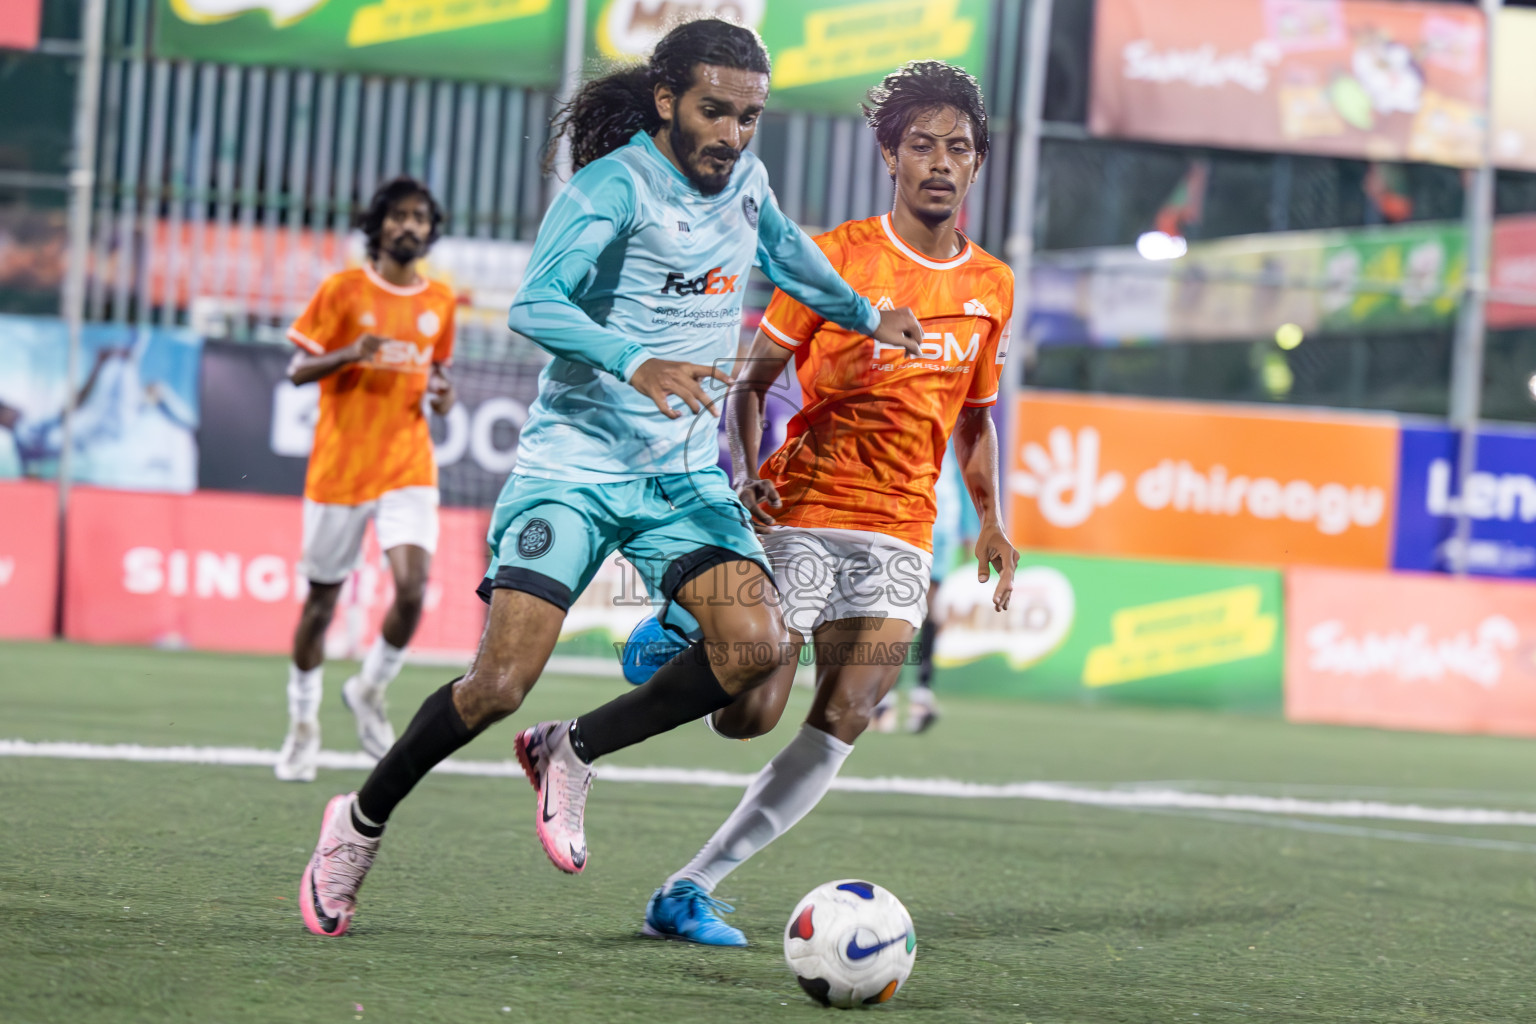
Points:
[[1288, 336], [1159, 245], [1530, 385]]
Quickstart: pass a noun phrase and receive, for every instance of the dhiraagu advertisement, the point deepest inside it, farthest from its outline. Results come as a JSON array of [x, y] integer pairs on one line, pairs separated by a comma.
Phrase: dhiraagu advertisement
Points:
[[1107, 630], [826, 53], [516, 42]]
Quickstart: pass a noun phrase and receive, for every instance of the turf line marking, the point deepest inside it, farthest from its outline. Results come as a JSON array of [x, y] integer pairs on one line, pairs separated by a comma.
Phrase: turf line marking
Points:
[[1049, 792], [1353, 831]]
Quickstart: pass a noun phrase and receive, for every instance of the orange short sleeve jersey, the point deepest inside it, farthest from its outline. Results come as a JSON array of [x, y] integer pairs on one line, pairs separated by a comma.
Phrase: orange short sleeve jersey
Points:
[[865, 451], [372, 434]]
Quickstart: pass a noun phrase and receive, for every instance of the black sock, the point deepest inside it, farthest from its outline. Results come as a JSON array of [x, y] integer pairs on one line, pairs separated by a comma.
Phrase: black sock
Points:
[[682, 690], [925, 638], [435, 732]]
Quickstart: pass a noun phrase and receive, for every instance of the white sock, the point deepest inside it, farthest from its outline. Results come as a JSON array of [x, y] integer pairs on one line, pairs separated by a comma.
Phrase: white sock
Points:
[[783, 793], [304, 693], [888, 701], [921, 695], [382, 663]]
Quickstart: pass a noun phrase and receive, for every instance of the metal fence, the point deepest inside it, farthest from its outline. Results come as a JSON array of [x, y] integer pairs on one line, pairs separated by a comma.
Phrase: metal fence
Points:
[[217, 179]]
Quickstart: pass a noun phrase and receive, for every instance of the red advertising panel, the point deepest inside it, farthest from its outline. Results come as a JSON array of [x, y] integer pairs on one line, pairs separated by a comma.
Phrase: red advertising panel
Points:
[[1404, 651], [1145, 478], [219, 572], [1371, 79], [29, 559], [1514, 273], [21, 23]]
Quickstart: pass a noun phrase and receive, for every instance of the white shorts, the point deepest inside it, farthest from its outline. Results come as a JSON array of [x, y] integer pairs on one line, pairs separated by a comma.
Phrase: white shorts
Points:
[[333, 534], [827, 575]]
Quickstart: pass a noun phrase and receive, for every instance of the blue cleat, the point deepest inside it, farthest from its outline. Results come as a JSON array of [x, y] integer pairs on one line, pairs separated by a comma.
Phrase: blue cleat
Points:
[[687, 913], [650, 646]]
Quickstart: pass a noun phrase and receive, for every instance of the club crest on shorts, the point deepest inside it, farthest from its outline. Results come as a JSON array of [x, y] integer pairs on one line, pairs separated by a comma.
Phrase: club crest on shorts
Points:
[[749, 209], [536, 538]]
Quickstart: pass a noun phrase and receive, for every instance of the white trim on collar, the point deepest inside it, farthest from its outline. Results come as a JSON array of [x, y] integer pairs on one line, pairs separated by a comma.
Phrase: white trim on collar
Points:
[[918, 258], [394, 289]]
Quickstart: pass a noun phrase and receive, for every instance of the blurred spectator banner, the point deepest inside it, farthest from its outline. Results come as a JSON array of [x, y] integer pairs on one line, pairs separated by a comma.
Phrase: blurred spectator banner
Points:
[[1367, 79], [219, 572], [1407, 276], [1109, 631], [826, 53], [32, 245], [1514, 84], [29, 559], [1500, 500], [258, 428], [1404, 651], [516, 42], [136, 401], [1141, 478], [21, 21]]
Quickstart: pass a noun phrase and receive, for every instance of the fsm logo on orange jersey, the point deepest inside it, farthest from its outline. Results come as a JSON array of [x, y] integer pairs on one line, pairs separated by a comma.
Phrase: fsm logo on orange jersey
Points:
[[1223, 483], [711, 282]]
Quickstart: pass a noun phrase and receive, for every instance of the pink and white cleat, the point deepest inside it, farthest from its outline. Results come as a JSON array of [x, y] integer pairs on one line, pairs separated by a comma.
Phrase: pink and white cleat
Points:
[[562, 780], [328, 890]]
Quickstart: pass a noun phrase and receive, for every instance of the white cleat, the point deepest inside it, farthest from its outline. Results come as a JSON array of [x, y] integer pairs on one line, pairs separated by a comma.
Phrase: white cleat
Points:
[[301, 748], [366, 703]]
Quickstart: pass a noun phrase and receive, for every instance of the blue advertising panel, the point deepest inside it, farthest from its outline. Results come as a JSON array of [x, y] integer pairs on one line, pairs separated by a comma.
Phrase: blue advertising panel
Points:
[[1500, 500], [136, 412]]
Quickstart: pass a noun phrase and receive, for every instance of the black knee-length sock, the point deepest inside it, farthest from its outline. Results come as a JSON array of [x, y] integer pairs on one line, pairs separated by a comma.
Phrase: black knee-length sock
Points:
[[435, 732], [682, 690], [925, 638]]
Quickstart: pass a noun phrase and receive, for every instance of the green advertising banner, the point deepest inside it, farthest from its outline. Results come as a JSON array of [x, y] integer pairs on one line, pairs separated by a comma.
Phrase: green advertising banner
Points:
[[516, 42], [826, 53], [1428, 261], [1098, 630]]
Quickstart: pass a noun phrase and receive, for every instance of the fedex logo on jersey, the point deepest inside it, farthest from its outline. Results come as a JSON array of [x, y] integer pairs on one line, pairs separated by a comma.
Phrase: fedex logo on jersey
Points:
[[711, 282]]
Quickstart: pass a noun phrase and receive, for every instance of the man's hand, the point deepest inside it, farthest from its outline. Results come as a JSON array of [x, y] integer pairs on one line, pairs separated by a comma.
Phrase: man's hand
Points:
[[441, 390], [994, 552], [657, 379], [900, 329], [755, 492], [365, 346]]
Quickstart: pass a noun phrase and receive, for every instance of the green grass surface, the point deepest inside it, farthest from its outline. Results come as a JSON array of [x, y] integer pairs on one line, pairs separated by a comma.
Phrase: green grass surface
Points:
[[146, 892]]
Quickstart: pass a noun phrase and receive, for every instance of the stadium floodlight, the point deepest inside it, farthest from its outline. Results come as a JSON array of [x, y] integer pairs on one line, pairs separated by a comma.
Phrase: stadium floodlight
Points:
[[1159, 245]]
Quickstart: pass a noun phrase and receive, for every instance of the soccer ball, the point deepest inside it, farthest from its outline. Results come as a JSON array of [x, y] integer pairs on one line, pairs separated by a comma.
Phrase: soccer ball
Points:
[[850, 943]]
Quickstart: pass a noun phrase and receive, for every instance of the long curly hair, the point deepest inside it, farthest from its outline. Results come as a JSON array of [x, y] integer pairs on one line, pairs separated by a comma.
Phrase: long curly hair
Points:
[[371, 220], [607, 111], [915, 89]]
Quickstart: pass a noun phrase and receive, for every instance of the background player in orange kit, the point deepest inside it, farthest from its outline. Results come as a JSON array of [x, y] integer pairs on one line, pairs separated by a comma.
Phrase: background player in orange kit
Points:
[[377, 338], [847, 503]]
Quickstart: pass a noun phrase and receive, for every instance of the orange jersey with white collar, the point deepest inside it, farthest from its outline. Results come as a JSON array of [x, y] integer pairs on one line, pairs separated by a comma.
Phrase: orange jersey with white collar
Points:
[[372, 434], [864, 452]]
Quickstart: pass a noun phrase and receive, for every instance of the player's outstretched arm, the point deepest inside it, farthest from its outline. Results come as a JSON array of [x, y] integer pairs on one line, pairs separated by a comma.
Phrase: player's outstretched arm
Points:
[[440, 387], [796, 265], [307, 367], [744, 424], [595, 208], [976, 448]]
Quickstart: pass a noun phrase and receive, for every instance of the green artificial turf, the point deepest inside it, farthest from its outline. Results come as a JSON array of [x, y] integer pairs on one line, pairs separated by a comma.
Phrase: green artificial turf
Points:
[[151, 892]]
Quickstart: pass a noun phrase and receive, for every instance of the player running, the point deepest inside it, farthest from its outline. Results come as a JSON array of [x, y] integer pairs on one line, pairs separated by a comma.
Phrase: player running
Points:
[[635, 286], [848, 501], [377, 338]]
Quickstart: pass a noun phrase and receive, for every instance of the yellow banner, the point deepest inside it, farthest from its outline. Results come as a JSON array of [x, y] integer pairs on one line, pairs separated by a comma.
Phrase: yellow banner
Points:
[[1185, 633], [873, 38], [392, 20]]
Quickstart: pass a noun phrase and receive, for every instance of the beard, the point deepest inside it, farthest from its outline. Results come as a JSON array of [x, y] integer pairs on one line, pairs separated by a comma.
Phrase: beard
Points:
[[708, 183], [405, 249]]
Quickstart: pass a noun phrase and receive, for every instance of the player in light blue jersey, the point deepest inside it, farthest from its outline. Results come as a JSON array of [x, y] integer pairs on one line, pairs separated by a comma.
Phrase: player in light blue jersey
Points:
[[635, 286]]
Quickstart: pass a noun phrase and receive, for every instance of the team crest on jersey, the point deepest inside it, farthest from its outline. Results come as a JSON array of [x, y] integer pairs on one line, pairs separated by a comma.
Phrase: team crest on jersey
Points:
[[974, 307], [885, 304], [429, 323], [536, 538], [749, 209]]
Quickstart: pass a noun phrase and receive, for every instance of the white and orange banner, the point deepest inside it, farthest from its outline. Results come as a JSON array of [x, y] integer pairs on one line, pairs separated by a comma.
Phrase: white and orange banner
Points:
[[1151, 479], [1410, 651]]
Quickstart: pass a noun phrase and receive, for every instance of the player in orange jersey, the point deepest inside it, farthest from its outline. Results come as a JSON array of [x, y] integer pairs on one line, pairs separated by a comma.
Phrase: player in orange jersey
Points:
[[377, 338], [847, 505]]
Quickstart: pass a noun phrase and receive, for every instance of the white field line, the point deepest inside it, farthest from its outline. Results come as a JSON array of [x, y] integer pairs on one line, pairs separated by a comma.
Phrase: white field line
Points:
[[1049, 792]]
